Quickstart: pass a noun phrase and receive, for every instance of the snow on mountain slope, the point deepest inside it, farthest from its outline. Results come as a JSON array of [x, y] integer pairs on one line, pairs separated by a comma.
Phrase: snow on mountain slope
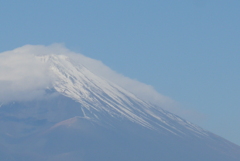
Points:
[[99, 96]]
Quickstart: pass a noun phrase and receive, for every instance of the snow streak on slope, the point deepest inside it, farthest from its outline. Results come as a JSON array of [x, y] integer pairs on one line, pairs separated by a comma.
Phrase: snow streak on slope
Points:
[[101, 98]]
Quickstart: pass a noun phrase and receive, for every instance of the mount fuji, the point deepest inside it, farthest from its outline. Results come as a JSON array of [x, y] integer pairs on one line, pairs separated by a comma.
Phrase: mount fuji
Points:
[[80, 116]]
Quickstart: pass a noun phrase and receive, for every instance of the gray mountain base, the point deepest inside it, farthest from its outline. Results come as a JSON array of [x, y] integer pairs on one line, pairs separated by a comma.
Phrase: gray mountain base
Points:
[[57, 130]]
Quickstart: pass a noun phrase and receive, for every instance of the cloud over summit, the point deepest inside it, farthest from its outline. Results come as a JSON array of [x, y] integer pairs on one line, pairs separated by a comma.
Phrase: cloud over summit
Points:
[[24, 77]]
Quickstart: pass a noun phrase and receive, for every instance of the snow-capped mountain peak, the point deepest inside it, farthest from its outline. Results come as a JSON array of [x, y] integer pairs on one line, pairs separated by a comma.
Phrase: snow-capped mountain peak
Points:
[[81, 114]]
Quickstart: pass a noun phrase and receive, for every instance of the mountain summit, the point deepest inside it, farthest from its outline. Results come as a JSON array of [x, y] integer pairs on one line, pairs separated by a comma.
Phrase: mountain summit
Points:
[[81, 116]]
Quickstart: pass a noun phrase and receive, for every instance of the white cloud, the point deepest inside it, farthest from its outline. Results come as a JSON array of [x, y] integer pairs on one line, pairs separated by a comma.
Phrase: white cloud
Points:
[[141, 90], [23, 77]]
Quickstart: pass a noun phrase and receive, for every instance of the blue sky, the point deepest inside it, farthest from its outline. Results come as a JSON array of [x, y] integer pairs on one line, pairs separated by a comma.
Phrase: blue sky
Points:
[[187, 50]]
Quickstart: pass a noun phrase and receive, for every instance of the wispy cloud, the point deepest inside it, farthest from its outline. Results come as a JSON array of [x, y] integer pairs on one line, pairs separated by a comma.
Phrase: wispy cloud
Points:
[[23, 77]]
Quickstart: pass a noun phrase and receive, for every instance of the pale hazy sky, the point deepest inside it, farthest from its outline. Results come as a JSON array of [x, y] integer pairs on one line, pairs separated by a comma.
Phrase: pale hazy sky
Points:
[[187, 50]]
